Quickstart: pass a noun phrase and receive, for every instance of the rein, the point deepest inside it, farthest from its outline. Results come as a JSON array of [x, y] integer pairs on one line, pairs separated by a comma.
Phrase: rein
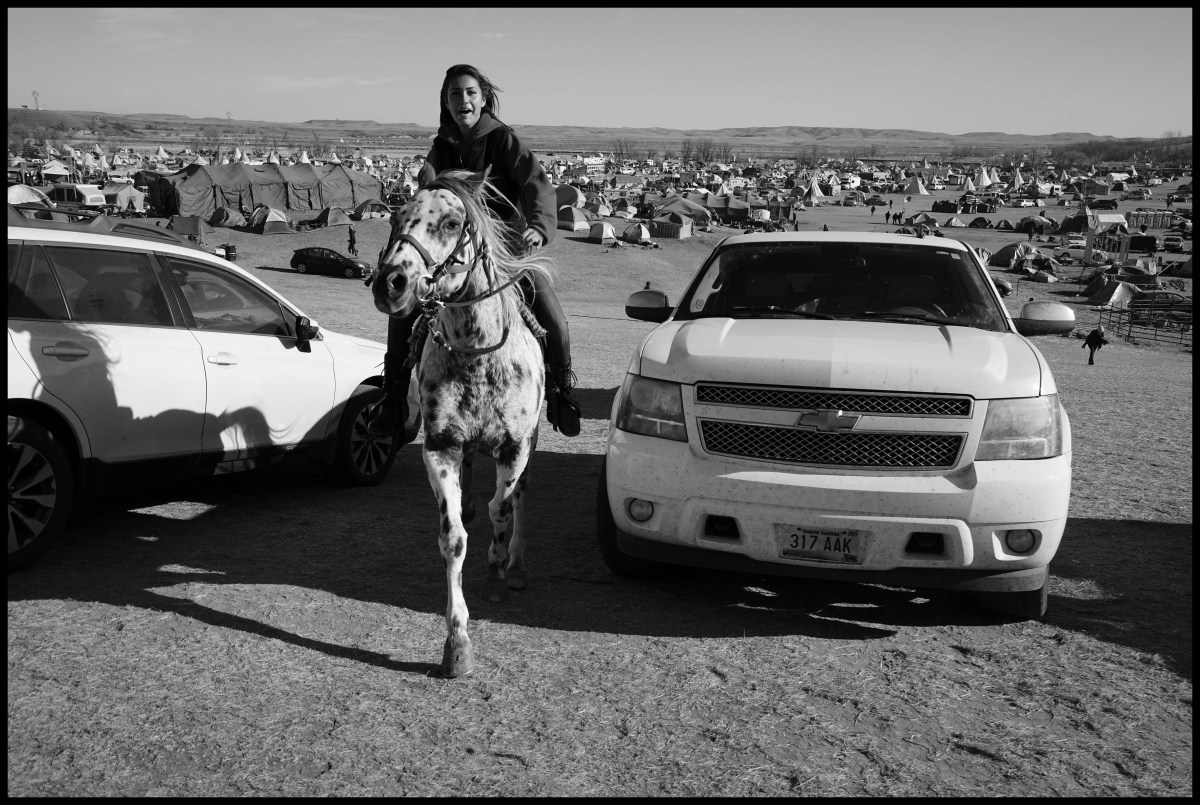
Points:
[[431, 302]]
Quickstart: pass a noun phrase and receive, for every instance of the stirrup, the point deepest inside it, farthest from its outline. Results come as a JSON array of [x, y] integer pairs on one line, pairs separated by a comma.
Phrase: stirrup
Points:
[[562, 411]]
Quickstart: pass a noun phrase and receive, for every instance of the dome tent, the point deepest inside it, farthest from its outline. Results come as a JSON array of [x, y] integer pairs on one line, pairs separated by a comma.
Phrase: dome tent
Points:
[[601, 232], [573, 219], [270, 221], [636, 233], [332, 216]]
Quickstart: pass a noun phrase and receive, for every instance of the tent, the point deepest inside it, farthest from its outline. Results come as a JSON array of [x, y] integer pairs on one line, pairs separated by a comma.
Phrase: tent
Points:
[[696, 212], [1113, 294], [1005, 225], [921, 218], [189, 225], [228, 217], [671, 225], [1036, 223], [598, 207], [916, 187], [980, 223], [602, 232], [371, 208], [270, 221], [332, 216], [1008, 256], [572, 219], [25, 194], [568, 195], [636, 233], [201, 189], [124, 195], [955, 222]]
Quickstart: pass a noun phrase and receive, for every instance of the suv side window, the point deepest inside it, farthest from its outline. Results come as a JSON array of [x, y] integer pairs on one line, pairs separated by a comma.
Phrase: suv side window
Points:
[[33, 292], [219, 300], [109, 286]]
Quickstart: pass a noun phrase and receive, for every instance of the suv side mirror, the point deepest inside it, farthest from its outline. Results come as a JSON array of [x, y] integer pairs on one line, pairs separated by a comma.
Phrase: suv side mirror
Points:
[[648, 305], [1045, 318]]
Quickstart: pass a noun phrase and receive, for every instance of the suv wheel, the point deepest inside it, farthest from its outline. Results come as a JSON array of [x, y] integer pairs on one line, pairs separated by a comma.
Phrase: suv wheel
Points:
[[41, 490], [301, 268], [360, 458]]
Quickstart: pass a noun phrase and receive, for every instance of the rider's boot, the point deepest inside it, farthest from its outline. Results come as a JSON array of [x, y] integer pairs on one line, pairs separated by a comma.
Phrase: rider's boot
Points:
[[392, 411], [562, 411]]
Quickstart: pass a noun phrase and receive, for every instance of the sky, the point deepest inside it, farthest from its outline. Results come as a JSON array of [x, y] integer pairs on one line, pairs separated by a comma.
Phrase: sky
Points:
[[1123, 72]]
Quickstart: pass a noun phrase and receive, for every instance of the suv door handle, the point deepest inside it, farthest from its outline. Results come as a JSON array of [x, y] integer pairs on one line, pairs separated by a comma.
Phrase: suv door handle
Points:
[[223, 359], [66, 351]]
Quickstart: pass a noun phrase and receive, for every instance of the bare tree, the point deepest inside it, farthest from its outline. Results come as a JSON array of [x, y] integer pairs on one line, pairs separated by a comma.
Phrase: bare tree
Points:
[[723, 152], [687, 150]]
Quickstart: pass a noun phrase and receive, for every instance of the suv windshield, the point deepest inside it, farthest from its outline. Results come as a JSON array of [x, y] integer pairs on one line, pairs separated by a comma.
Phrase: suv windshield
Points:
[[918, 283]]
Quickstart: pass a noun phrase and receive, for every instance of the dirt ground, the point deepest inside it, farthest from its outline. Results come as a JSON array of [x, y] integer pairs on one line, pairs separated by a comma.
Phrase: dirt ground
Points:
[[271, 634]]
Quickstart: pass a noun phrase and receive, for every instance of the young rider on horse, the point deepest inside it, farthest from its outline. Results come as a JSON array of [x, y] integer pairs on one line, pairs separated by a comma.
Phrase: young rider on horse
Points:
[[470, 137]]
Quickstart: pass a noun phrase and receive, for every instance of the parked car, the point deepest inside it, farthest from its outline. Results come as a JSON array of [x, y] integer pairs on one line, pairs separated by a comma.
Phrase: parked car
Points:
[[1161, 300], [133, 354], [75, 196], [850, 201], [320, 260], [850, 406], [1172, 243], [875, 201], [1022, 202], [1074, 253], [1102, 203], [1136, 195]]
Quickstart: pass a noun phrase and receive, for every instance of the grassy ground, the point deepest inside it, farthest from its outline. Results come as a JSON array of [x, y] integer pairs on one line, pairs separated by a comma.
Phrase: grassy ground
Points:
[[270, 634]]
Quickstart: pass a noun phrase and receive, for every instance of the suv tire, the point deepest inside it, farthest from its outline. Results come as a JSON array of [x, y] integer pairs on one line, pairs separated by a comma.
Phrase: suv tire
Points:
[[41, 490], [360, 458]]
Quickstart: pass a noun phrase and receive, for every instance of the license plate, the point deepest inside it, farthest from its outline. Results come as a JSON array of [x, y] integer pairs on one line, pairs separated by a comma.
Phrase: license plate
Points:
[[840, 545]]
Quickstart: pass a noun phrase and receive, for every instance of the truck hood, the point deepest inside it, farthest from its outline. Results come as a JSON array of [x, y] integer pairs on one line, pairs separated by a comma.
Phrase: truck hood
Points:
[[875, 356]]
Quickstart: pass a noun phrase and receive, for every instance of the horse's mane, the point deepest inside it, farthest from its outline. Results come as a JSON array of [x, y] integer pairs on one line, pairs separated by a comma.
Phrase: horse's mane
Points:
[[504, 263]]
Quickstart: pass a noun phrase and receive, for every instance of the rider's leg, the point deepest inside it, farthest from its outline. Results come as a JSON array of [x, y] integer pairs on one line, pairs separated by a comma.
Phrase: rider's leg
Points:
[[392, 411], [562, 411]]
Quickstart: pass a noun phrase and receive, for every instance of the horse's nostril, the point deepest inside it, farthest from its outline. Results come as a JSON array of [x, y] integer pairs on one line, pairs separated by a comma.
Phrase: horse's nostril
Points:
[[397, 282]]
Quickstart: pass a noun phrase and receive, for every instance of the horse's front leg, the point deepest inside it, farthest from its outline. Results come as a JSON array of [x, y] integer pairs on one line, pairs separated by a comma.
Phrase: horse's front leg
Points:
[[506, 554], [444, 468]]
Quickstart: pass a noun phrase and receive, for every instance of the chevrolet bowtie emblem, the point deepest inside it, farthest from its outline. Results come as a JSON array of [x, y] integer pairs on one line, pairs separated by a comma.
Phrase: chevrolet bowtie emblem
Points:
[[827, 421]]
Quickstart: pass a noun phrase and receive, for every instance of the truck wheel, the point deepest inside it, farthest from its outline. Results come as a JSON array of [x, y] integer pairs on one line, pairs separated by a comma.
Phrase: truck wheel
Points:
[[1021, 605]]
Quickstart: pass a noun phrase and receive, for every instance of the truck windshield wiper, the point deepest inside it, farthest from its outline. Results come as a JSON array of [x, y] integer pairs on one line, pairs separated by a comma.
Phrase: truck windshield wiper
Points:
[[787, 311], [929, 318]]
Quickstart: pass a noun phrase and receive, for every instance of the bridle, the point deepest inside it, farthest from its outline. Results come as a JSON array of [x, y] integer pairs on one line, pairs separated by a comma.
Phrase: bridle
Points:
[[431, 302]]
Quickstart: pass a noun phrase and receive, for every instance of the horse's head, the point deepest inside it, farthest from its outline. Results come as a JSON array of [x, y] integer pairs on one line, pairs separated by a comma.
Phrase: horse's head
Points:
[[434, 243]]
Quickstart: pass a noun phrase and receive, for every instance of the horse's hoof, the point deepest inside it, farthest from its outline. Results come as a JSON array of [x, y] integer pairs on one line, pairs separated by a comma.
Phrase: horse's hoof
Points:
[[457, 662], [468, 511], [515, 579]]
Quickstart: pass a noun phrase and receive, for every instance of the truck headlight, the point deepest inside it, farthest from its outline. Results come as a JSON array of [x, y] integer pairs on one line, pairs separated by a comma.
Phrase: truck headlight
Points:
[[652, 408], [1030, 427]]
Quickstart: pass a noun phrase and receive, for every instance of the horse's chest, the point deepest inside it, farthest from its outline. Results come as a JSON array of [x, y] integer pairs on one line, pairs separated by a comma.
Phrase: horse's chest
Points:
[[482, 405]]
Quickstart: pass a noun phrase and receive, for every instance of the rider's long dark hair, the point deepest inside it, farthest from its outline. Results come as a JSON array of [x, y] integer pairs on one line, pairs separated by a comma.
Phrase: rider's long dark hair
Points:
[[491, 103]]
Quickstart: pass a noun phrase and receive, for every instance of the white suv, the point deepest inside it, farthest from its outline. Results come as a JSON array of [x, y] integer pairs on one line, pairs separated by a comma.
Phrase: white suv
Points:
[[851, 406], [132, 352]]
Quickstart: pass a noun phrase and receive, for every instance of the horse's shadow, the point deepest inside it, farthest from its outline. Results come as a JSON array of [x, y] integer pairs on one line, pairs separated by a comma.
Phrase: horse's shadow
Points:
[[286, 527]]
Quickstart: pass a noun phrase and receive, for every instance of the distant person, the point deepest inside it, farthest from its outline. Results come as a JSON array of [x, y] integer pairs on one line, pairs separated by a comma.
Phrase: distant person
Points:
[[352, 247], [872, 210], [889, 204], [1095, 339], [824, 227]]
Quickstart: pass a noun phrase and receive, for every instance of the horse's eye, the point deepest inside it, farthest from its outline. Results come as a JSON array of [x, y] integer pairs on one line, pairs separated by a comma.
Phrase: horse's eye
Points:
[[453, 224]]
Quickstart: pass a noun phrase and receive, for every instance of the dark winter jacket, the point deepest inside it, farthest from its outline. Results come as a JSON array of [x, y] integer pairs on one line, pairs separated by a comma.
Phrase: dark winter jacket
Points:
[[515, 171], [1095, 339]]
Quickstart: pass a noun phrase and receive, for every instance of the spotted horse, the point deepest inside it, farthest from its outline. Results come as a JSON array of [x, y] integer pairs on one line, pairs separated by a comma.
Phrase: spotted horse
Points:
[[480, 373]]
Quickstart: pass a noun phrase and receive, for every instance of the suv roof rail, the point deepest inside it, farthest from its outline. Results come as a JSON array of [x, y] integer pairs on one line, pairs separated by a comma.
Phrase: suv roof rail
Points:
[[74, 220]]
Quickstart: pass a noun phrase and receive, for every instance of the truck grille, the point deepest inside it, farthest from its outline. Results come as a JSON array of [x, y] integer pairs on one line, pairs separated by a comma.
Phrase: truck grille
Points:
[[794, 399], [850, 449]]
